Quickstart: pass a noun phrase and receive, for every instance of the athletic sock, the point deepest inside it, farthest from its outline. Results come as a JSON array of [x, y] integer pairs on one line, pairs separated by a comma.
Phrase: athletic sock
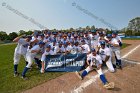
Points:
[[38, 62], [116, 59], [84, 73], [24, 71], [15, 68], [119, 63], [120, 44], [103, 79]]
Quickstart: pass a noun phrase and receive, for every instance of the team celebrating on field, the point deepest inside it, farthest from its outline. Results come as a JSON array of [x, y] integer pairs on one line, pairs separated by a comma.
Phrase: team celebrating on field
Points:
[[99, 47]]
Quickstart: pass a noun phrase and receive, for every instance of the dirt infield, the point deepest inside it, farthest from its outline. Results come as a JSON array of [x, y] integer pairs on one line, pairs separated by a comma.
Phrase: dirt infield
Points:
[[126, 80]]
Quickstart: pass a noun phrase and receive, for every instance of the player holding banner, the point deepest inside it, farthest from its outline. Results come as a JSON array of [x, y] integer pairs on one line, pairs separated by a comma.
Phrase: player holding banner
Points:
[[94, 62]]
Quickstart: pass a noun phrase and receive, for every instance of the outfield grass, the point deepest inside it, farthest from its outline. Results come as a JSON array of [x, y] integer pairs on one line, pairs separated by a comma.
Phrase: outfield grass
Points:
[[10, 84], [125, 45], [130, 38]]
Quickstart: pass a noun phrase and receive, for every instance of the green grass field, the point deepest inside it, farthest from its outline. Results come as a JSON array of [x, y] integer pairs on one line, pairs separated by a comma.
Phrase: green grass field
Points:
[[125, 45], [10, 84]]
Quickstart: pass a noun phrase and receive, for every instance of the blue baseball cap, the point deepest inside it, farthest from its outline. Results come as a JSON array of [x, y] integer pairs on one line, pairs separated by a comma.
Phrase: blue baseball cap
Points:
[[48, 46], [72, 33], [41, 42], [115, 32], [41, 35], [49, 33], [54, 33], [28, 36], [109, 35], [83, 40], [102, 42], [93, 50]]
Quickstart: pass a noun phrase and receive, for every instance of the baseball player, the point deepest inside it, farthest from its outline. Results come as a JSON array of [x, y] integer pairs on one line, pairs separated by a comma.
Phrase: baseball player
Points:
[[30, 55], [105, 54], [77, 47], [48, 51], [94, 39], [20, 50], [60, 48], [85, 47], [115, 47], [94, 61], [115, 35]]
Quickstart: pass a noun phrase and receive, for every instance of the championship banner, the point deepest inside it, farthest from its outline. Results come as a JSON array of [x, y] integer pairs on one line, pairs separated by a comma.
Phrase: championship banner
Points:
[[65, 63]]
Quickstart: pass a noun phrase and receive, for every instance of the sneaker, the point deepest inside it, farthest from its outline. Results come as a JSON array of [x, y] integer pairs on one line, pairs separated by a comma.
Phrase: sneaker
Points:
[[24, 78], [16, 74], [79, 75]]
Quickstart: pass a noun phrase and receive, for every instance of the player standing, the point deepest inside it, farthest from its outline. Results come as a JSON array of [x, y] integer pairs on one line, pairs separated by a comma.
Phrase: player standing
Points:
[[20, 50], [106, 55]]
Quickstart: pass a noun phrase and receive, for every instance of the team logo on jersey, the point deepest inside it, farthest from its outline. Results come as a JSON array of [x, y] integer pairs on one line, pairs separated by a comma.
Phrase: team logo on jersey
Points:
[[102, 53]]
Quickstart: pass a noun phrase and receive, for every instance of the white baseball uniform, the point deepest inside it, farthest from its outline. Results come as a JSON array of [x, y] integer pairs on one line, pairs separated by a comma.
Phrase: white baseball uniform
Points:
[[107, 52], [21, 49], [94, 60], [115, 50], [30, 56]]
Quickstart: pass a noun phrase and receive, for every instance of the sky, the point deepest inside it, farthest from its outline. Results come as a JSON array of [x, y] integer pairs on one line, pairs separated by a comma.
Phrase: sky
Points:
[[27, 15]]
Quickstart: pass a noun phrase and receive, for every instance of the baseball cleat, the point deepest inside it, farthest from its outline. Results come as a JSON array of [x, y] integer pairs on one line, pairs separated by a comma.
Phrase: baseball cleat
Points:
[[24, 78], [119, 67], [16, 74], [42, 71], [79, 76], [109, 85]]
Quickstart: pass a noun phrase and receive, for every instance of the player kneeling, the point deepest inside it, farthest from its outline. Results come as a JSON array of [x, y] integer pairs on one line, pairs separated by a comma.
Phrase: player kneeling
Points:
[[48, 51], [94, 62]]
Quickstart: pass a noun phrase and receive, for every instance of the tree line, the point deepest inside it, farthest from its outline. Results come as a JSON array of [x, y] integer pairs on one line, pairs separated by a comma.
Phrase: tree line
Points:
[[4, 37], [9, 37]]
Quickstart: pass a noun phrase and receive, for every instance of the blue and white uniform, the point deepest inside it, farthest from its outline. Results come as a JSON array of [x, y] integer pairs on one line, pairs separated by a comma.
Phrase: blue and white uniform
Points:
[[21, 49], [104, 53]]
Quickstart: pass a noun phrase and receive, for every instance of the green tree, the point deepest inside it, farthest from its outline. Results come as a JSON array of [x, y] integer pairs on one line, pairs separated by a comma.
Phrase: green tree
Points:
[[93, 27], [29, 32], [88, 28], [12, 35], [71, 29], [128, 33], [22, 32], [3, 35]]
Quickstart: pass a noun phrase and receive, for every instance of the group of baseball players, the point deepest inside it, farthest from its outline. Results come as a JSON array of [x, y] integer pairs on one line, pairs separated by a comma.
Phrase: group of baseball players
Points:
[[98, 46]]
